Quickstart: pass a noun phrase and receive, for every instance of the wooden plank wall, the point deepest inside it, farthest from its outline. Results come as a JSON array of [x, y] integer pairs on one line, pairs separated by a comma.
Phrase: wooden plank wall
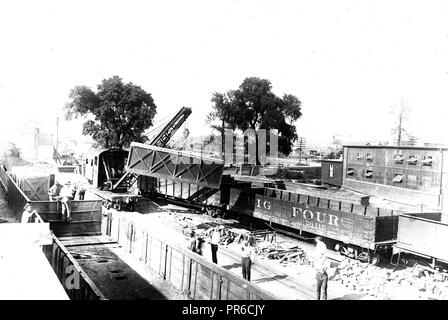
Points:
[[65, 266], [185, 270]]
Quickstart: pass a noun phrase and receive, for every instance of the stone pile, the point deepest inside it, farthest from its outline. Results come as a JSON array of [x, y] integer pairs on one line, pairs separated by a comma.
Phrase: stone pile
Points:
[[284, 254], [412, 283]]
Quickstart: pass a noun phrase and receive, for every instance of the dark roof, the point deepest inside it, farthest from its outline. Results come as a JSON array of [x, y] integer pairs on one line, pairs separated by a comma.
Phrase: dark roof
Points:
[[396, 147], [332, 160]]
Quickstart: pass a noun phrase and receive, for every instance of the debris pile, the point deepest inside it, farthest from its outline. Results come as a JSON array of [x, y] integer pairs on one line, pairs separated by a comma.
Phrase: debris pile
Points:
[[417, 283], [285, 254]]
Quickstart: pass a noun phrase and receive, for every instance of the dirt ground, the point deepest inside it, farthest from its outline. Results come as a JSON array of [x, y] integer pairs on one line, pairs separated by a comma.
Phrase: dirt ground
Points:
[[291, 280], [286, 281]]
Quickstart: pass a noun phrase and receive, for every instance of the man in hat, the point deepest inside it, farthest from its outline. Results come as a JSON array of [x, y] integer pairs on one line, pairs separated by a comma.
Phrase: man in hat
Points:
[[321, 265], [247, 258]]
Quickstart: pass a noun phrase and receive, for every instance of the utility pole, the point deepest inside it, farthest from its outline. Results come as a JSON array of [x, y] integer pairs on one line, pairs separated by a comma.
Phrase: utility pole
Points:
[[57, 134], [302, 144], [36, 133]]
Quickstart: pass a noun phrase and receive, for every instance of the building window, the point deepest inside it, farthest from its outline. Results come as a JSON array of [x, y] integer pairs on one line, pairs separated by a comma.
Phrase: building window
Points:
[[398, 178], [96, 161], [331, 171], [369, 157], [412, 180], [87, 161], [350, 171], [427, 182], [398, 158], [412, 160], [427, 161], [368, 174], [360, 156]]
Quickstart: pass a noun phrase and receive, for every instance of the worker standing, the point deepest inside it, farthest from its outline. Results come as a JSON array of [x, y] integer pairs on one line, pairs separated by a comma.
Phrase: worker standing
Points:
[[247, 258], [321, 248], [321, 265], [192, 242], [66, 196], [215, 237]]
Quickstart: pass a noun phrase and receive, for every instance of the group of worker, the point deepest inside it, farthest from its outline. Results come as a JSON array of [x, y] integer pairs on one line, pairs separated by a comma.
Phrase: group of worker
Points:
[[67, 193], [321, 263], [196, 242]]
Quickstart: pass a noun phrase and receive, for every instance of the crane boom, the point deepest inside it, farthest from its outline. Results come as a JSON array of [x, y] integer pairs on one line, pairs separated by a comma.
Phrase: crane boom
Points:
[[162, 138]]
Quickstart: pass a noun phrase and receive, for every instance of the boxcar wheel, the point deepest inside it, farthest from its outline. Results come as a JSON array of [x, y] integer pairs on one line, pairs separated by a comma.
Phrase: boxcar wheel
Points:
[[375, 259]]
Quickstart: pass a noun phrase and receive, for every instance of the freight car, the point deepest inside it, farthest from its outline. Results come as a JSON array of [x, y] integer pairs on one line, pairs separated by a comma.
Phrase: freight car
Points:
[[332, 172], [104, 169], [422, 235], [360, 232], [108, 170]]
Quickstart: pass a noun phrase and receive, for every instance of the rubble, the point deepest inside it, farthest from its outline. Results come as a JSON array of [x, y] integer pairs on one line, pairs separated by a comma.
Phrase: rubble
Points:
[[284, 254], [382, 283]]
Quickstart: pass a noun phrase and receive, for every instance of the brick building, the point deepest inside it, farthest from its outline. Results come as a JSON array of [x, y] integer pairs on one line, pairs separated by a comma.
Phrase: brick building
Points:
[[412, 175]]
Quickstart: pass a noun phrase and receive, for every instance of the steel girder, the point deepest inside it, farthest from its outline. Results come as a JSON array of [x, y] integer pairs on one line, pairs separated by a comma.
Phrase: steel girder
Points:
[[175, 165]]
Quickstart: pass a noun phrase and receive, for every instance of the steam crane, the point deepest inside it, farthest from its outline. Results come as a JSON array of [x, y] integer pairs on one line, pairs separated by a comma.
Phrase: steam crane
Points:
[[159, 140]]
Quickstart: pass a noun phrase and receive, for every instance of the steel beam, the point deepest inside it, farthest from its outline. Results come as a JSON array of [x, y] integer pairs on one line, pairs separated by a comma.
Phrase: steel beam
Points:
[[175, 165]]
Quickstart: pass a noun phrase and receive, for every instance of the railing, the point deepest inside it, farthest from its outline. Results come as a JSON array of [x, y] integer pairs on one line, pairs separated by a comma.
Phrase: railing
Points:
[[74, 280], [185, 270], [36, 218]]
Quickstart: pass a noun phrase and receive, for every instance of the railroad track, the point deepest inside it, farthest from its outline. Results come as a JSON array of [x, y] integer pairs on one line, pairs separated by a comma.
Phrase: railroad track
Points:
[[268, 279]]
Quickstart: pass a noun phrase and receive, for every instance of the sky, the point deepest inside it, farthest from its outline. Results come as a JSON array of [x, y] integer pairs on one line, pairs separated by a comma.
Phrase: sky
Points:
[[347, 61]]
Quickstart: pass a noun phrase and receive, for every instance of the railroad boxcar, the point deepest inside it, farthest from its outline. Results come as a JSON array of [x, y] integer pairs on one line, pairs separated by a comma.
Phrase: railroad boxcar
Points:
[[103, 169], [423, 235], [331, 172], [360, 232], [105, 165]]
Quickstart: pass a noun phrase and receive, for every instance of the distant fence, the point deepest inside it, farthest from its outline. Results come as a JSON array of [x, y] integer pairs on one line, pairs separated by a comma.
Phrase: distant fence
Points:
[[74, 280], [185, 270]]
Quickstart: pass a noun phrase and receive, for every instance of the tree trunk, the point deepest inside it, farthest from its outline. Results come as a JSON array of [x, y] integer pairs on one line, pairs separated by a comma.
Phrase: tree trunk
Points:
[[223, 139], [257, 159]]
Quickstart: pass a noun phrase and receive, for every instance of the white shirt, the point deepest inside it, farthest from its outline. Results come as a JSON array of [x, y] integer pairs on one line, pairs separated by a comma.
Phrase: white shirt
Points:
[[26, 216], [321, 248], [215, 237], [248, 252], [67, 191], [322, 264]]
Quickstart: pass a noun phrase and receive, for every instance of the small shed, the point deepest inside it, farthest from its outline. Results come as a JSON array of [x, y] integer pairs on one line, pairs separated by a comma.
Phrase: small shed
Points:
[[331, 172]]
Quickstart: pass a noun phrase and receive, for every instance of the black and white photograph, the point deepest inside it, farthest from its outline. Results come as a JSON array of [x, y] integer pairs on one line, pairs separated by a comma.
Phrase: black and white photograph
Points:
[[224, 154]]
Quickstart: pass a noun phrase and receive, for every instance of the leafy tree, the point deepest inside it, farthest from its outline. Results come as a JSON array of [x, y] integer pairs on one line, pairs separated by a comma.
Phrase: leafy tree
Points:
[[334, 154], [116, 114], [254, 106]]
